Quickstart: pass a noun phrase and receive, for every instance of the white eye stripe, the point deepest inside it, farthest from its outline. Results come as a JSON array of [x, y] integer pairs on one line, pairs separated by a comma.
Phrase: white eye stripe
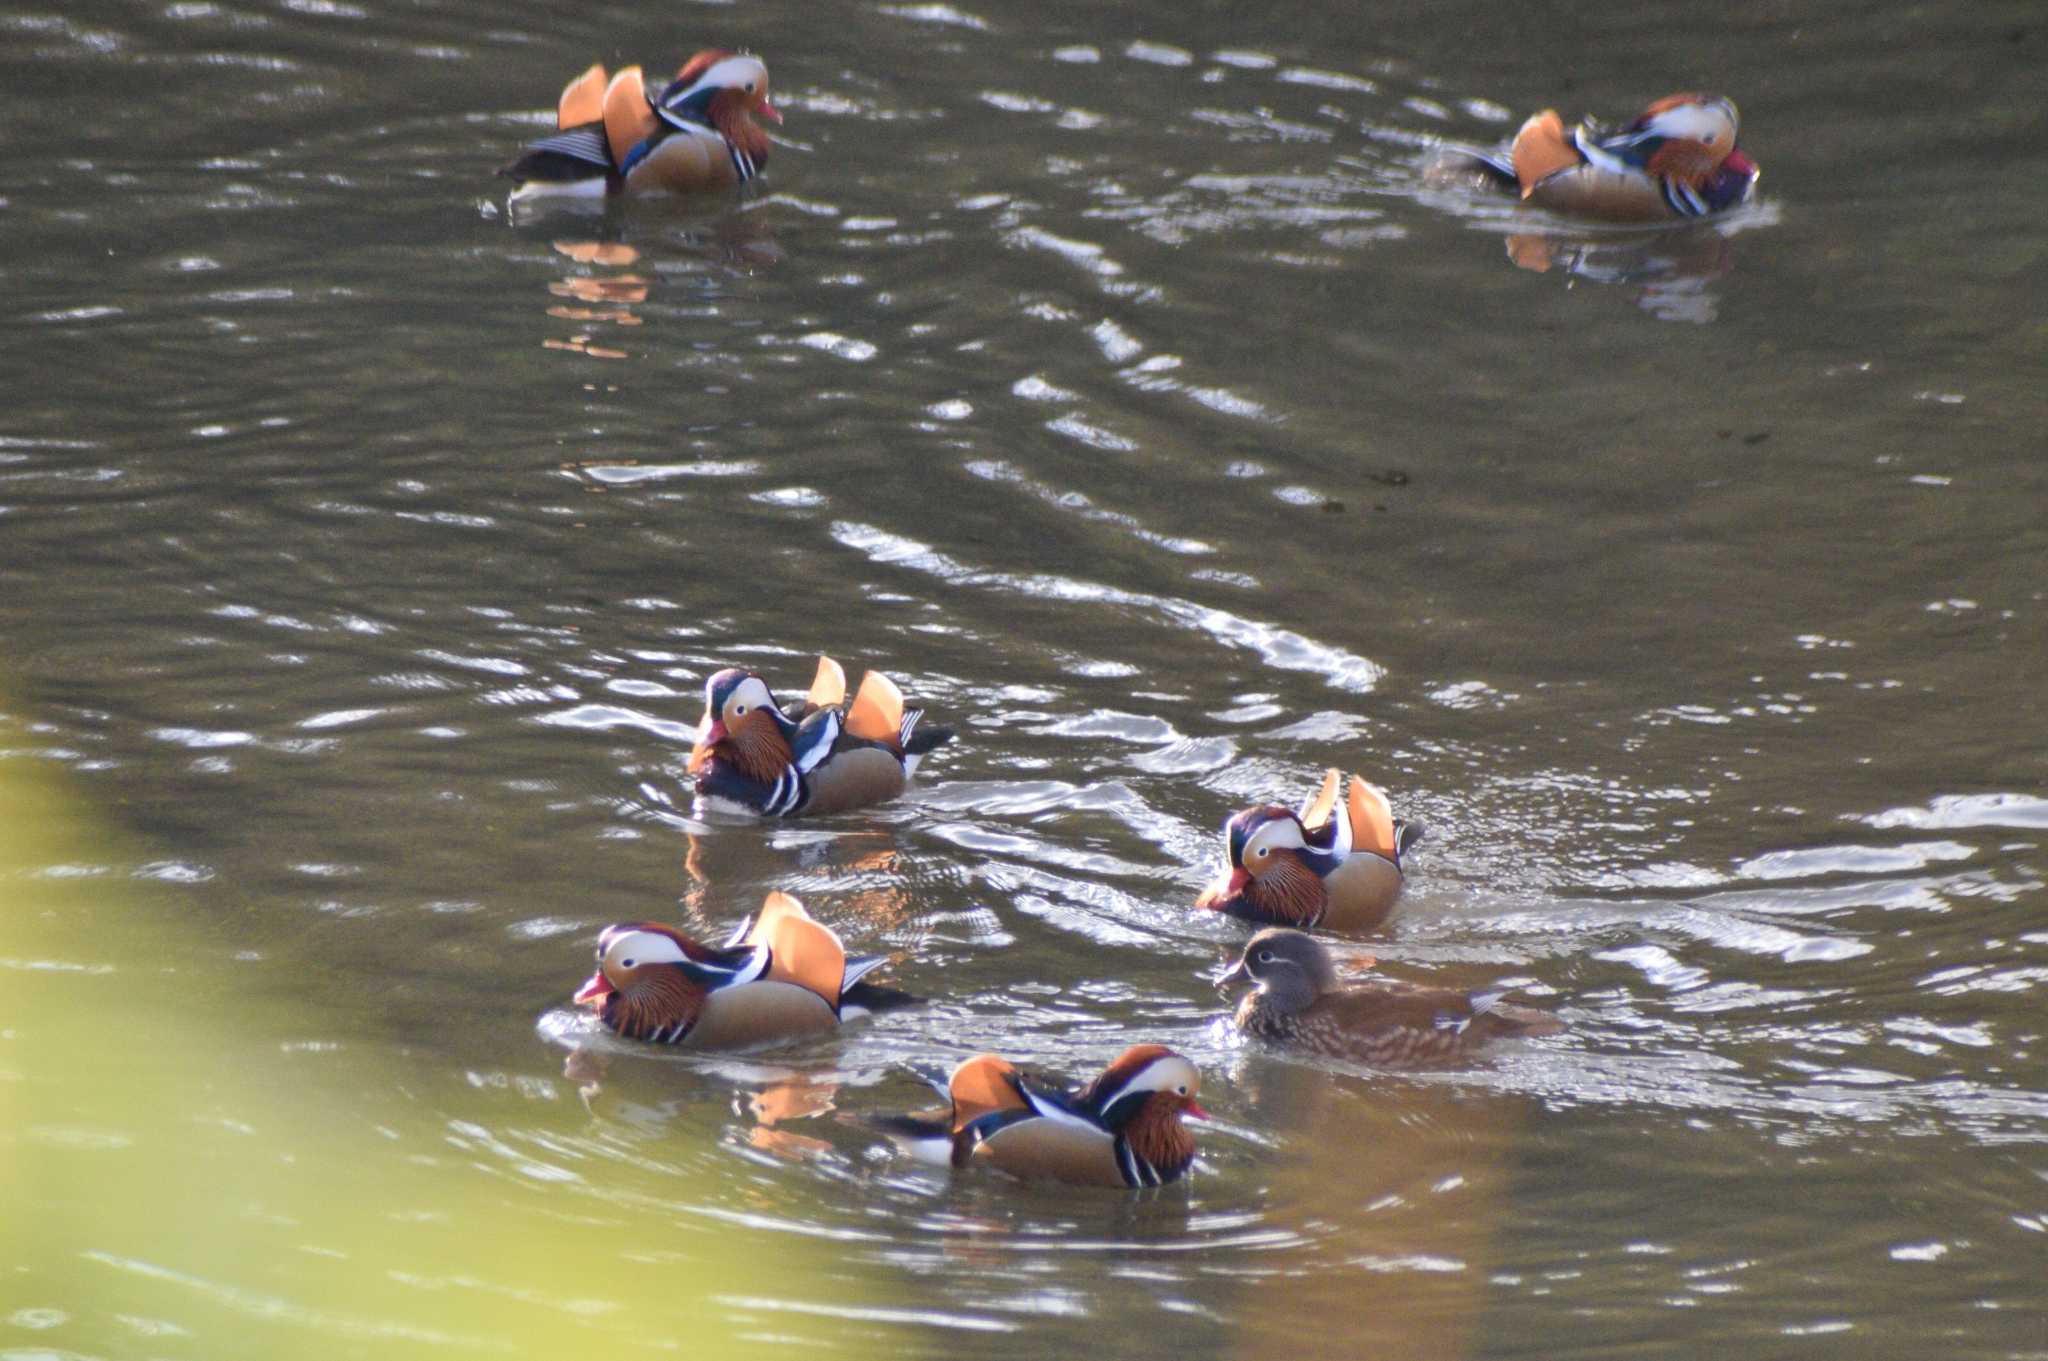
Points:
[[749, 694], [1281, 836], [631, 949]]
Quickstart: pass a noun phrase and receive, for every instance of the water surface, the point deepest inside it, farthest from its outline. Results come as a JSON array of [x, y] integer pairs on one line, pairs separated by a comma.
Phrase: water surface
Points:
[[1112, 377]]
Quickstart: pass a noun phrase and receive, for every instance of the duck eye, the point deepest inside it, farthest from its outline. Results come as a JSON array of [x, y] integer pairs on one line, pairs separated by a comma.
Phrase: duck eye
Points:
[[1265, 956], [738, 710], [1264, 851], [750, 87], [625, 963]]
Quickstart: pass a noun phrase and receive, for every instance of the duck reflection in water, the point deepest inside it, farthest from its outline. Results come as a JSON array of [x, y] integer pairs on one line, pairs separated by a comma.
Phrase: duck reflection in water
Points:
[[592, 301], [1668, 273], [599, 299], [768, 1110], [799, 1096]]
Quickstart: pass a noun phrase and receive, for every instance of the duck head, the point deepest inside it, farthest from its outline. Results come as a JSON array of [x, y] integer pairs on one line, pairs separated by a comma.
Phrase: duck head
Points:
[[1291, 968], [742, 725], [1147, 1081], [726, 90], [1267, 872], [1142, 1097], [1697, 131], [644, 981]]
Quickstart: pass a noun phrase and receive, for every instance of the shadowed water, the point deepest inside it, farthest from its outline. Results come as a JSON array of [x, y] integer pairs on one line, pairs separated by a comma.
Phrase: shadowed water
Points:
[[1117, 380]]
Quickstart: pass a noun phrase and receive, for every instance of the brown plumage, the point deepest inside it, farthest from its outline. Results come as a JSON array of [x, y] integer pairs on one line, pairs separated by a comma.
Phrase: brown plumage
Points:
[[1300, 1003]]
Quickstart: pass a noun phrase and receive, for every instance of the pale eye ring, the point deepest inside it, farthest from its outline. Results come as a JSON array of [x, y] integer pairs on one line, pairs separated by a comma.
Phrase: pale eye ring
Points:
[[625, 963], [739, 710], [1265, 956], [1181, 1090], [1264, 851]]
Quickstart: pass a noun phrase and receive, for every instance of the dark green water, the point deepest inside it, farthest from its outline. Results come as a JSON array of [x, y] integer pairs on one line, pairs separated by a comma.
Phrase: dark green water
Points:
[[1109, 376]]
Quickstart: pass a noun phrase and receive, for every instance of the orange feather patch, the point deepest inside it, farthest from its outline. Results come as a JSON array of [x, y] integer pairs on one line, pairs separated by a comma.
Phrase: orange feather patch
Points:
[[802, 952], [984, 1083], [1323, 804], [582, 99], [828, 687], [627, 118], [1372, 819], [1542, 149], [877, 712]]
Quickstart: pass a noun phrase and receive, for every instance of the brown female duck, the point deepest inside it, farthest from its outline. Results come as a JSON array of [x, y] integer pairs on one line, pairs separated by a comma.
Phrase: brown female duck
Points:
[[1300, 1003]]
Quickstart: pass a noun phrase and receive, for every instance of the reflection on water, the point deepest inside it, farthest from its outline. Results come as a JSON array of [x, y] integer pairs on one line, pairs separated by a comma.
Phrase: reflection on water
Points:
[[1116, 382]]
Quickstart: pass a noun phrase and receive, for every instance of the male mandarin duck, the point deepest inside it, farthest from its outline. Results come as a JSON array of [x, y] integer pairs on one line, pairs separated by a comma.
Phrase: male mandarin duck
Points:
[[816, 757], [1677, 159], [1300, 1003], [1122, 1129], [1324, 866], [780, 977], [698, 133]]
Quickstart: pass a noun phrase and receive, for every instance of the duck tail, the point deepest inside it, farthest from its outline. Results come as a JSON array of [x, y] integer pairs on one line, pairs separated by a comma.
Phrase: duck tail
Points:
[[866, 996], [926, 1137], [1407, 832], [1496, 168], [1511, 1019], [917, 739]]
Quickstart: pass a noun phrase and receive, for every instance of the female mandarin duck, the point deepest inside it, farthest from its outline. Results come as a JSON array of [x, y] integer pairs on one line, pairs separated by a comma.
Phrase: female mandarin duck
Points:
[[1678, 159], [780, 977], [1324, 866], [1300, 1003], [698, 133], [815, 758], [1122, 1129]]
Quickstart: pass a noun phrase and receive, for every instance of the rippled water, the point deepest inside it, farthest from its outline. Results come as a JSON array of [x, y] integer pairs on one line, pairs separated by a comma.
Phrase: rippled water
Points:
[[1114, 378]]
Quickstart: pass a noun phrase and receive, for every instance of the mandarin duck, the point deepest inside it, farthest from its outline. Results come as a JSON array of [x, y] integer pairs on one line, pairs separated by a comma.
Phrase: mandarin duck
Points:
[[815, 757], [613, 135], [1122, 1129], [1677, 159], [1324, 866], [779, 977], [1300, 1003]]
